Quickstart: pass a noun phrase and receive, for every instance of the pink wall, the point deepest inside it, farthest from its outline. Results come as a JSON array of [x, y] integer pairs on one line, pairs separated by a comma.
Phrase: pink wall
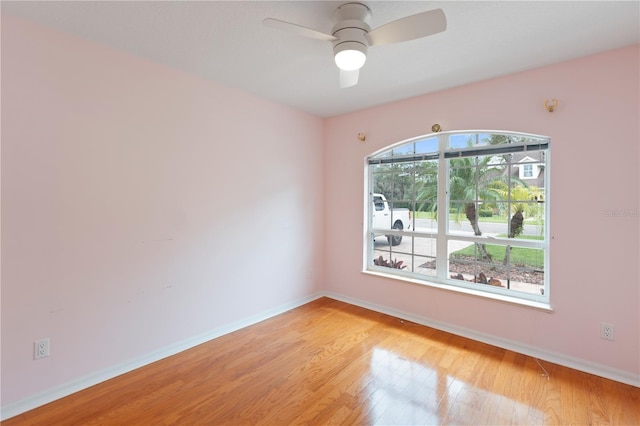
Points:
[[595, 167], [141, 206]]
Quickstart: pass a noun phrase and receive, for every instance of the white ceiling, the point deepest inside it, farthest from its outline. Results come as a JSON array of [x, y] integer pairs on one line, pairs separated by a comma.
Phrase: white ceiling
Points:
[[226, 42]]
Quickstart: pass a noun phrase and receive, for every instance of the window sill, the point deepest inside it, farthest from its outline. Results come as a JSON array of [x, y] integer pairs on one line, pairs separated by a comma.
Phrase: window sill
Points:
[[543, 306]]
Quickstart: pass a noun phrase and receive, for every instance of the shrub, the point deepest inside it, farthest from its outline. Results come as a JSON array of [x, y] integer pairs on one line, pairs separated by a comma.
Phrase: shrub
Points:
[[395, 264]]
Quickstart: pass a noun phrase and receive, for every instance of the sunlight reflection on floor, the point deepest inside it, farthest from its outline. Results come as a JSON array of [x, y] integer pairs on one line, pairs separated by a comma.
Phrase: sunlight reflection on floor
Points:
[[407, 392]]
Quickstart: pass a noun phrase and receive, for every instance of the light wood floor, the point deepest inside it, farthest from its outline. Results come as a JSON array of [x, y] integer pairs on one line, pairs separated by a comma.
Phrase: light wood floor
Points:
[[332, 363]]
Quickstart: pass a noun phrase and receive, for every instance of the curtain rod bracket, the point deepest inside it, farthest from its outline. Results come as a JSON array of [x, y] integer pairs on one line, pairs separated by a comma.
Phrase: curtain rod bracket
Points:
[[551, 106]]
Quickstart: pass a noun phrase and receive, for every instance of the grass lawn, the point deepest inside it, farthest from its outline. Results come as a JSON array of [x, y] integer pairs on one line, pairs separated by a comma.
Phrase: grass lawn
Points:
[[424, 215], [532, 258]]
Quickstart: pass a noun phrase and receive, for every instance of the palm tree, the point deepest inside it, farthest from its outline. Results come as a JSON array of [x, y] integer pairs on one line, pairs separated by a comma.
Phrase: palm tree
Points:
[[472, 182]]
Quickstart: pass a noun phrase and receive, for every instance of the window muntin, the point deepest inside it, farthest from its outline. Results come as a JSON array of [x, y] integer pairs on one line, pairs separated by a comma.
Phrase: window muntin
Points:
[[475, 223]]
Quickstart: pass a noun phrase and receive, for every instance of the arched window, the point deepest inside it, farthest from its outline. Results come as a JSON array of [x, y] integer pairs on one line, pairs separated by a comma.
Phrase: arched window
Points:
[[452, 209]]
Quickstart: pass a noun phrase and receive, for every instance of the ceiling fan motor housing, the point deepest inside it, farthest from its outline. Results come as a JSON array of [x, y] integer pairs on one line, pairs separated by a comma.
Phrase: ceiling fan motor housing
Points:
[[351, 27]]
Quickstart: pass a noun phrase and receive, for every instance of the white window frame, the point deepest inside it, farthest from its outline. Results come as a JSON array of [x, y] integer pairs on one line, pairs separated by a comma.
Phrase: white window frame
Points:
[[443, 235]]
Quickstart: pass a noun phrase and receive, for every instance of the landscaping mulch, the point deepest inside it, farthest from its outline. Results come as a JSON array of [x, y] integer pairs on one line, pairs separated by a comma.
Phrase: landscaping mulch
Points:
[[469, 269]]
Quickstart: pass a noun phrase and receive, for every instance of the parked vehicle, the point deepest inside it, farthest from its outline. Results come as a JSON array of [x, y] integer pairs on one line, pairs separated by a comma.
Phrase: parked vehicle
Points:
[[386, 218]]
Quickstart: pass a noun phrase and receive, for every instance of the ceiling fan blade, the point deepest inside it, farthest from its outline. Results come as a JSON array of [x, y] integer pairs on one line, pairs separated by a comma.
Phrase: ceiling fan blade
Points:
[[348, 78], [409, 28], [298, 29]]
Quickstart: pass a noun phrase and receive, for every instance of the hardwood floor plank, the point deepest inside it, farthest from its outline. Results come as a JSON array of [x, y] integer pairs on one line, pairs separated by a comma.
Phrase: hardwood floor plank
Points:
[[329, 362], [619, 400]]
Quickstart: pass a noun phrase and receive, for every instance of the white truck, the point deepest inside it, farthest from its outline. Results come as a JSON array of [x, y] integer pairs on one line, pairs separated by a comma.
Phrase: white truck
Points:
[[383, 217]]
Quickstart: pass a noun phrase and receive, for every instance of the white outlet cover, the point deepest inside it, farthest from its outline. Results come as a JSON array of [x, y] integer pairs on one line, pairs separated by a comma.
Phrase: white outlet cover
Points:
[[606, 331], [41, 349]]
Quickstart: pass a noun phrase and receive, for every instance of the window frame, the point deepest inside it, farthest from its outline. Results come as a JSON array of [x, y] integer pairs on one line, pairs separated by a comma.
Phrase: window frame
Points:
[[443, 235]]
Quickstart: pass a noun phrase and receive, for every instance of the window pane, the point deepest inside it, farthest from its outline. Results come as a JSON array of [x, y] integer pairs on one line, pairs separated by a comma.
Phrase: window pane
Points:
[[427, 187], [396, 182], [527, 270], [463, 179], [390, 256], [383, 154], [514, 268], [380, 168], [464, 219], [416, 255], [509, 220], [521, 209], [426, 145], [464, 260], [404, 185], [425, 256], [468, 140], [403, 149], [382, 181], [526, 139], [473, 139]]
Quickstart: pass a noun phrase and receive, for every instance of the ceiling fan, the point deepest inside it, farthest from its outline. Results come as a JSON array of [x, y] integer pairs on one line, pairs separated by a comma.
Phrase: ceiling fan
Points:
[[351, 34]]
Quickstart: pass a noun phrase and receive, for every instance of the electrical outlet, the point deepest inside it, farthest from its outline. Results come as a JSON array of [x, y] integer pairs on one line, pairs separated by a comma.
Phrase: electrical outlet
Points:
[[41, 348], [606, 331]]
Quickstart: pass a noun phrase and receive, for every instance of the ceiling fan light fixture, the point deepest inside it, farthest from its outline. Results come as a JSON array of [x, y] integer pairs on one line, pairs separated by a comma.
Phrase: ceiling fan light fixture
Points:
[[350, 56], [351, 34]]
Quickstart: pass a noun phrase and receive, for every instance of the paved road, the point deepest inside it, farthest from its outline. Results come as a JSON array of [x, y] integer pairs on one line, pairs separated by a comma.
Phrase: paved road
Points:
[[485, 227]]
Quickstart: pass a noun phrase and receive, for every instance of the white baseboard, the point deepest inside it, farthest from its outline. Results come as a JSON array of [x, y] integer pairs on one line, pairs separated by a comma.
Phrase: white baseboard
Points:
[[556, 358], [50, 395]]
